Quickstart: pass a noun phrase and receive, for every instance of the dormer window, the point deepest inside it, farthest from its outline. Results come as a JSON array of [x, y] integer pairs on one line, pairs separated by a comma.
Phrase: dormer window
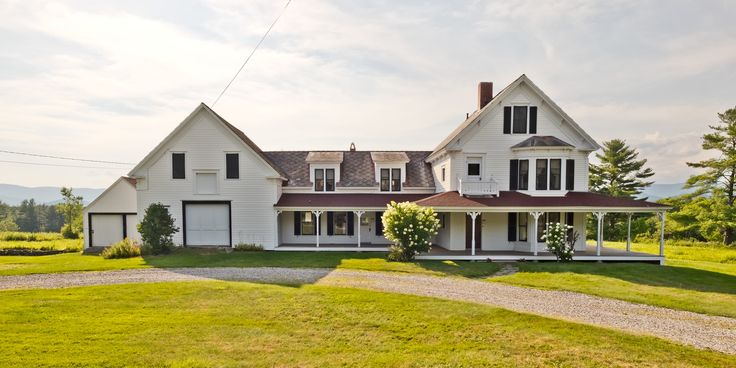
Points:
[[324, 180], [520, 120], [390, 180]]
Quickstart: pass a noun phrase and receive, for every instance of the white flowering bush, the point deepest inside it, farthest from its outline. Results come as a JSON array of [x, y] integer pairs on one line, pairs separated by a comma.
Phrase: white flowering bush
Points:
[[558, 242], [411, 228]]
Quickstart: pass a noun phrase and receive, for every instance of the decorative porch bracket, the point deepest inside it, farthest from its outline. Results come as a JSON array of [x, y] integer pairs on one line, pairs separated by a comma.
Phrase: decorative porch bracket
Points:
[[359, 214], [599, 240], [473, 215], [318, 225], [628, 232], [535, 215], [661, 216]]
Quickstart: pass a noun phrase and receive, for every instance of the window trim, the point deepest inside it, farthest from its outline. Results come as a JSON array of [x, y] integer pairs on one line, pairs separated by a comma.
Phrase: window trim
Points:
[[513, 112], [470, 159], [313, 220], [391, 178], [323, 171], [227, 172], [334, 223], [563, 171]]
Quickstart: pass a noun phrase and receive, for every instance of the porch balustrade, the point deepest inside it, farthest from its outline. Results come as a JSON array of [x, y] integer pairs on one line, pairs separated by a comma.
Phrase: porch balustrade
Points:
[[477, 188]]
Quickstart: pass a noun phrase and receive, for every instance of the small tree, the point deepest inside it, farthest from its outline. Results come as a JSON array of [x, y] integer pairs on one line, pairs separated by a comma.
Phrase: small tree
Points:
[[558, 241], [157, 229], [410, 227], [8, 223], [71, 208]]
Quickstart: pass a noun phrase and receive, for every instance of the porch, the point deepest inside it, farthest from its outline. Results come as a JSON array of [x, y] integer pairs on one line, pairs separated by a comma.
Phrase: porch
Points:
[[590, 254]]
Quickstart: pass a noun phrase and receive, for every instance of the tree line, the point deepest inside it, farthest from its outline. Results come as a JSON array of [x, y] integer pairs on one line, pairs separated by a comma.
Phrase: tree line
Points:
[[29, 216], [708, 213]]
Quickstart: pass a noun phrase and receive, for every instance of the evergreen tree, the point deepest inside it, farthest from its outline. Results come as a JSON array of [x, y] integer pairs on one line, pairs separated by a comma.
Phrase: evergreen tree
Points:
[[27, 216], [620, 173], [716, 184]]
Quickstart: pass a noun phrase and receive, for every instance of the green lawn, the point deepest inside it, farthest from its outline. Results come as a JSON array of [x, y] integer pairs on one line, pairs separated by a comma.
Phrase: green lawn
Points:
[[18, 265], [219, 323], [696, 278]]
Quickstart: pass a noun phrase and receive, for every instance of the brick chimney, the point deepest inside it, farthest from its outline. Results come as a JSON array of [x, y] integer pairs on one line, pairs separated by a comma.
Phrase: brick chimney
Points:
[[485, 94]]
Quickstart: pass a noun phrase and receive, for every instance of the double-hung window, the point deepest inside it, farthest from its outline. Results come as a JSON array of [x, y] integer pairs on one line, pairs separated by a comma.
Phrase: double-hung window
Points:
[[390, 180], [324, 180], [308, 223], [340, 223], [523, 174], [523, 223], [520, 120], [549, 174], [541, 174]]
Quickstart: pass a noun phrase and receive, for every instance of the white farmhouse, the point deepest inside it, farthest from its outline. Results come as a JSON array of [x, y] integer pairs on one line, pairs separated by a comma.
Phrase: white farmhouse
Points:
[[516, 164]]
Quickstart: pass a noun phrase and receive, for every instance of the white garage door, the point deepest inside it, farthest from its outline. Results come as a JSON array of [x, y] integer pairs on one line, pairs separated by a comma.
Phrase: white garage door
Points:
[[208, 224], [106, 229]]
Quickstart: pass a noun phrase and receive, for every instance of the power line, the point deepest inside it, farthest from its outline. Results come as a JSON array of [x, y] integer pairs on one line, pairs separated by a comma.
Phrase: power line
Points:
[[57, 165], [66, 158], [252, 52]]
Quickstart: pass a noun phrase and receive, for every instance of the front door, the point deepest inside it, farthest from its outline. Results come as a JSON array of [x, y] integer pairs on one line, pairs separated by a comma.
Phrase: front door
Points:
[[469, 231], [366, 229]]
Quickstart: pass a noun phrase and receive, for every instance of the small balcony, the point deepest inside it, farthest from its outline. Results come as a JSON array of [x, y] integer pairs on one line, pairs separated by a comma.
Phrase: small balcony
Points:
[[477, 187]]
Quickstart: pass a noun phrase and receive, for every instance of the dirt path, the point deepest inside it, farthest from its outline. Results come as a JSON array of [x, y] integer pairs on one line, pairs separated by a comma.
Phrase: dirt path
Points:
[[702, 331]]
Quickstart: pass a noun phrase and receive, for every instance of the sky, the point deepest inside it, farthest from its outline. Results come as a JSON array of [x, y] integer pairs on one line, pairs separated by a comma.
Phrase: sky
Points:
[[109, 80]]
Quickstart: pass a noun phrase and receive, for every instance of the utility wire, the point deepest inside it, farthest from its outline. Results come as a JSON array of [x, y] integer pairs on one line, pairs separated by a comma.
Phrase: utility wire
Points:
[[252, 52], [65, 158], [56, 165]]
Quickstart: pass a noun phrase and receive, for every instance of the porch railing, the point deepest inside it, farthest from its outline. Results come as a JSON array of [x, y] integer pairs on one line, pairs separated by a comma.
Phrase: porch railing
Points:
[[477, 188]]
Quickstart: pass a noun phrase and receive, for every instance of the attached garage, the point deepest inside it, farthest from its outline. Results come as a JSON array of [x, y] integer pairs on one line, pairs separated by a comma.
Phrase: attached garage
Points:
[[112, 216], [207, 223], [110, 228]]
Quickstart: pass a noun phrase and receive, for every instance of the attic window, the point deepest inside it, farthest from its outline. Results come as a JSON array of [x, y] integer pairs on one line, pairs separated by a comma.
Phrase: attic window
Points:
[[520, 120], [324, 180], [177, 166]]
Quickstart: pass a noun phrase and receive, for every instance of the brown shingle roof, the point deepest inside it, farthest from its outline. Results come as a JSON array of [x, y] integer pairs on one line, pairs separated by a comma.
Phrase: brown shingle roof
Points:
[[542, 141], [356, 169], [352, 200], [517, 199]]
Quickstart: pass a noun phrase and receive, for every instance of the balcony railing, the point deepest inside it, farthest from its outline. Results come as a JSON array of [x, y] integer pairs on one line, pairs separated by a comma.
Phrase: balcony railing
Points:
[[477, 188]]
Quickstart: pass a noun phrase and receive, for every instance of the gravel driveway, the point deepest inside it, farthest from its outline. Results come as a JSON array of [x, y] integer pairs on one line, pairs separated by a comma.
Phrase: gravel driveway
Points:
[[702, 331]]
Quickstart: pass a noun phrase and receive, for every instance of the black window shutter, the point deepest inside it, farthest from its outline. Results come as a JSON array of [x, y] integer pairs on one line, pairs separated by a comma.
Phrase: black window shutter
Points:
[[507, 120], [232, 166], [379, 224], [330, 223], [351, 224], [570, 175], [177, 166], [532, 120], [512, 226], [297, 223], [569, 218], [514, 175]]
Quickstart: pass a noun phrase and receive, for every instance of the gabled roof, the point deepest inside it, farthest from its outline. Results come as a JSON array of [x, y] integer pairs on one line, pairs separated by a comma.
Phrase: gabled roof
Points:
[[542, 141], [356, 170], [478, 114], [237, 132]]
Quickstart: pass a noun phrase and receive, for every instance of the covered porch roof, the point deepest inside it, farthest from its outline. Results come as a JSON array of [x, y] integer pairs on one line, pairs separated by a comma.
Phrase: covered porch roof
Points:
[[517, 201], [344, 201]]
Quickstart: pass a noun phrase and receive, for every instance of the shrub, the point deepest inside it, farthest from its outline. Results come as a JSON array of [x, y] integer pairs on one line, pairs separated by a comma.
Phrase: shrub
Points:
[[157, 229], [29, 237], [410, 227], [248, 247], [68, 231], [562, 246], [125, 248]]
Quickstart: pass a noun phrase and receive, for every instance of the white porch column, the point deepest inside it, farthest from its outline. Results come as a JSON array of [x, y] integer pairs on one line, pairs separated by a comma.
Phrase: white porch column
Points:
[[276, 227], [472, 215], [599, 240], [359, 214], [535, 216], [628, 232], [318, 226], [661, 234]]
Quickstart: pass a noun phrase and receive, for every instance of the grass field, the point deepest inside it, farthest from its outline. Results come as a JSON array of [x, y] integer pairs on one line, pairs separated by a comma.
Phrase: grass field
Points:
[[18, 265], [235, 324], [696, 278], [39, 241]]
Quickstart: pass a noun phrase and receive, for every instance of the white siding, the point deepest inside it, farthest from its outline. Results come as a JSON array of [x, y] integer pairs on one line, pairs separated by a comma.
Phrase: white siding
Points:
[[120, 197], [286, 220], [487, 140], [205, 142]]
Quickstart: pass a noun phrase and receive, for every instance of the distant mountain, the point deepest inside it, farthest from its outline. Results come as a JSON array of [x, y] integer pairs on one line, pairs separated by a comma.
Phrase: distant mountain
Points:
[[14, 194], [658, 191]]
